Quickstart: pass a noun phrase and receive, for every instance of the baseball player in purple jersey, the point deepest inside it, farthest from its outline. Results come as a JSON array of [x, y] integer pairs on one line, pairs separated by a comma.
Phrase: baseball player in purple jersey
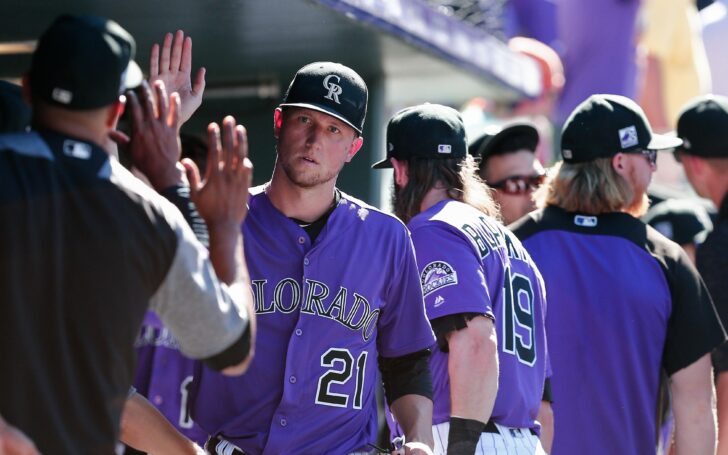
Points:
[[483, 294], [337, 292], [624, 301]]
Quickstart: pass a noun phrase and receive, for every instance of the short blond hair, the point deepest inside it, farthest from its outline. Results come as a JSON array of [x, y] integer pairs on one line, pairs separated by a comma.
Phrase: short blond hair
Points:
[[593, 187]]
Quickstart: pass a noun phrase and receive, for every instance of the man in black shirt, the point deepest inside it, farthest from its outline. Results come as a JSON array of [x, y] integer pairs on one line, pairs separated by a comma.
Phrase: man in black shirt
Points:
[[87, 247], [703, 127]]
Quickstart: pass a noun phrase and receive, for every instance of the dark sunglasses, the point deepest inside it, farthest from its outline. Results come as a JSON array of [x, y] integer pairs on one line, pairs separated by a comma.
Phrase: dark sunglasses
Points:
[[651, 156], [519, 184]]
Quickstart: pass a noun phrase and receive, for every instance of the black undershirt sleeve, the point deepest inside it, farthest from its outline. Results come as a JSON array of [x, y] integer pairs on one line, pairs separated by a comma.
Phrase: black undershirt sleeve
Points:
[[451, 323], [547, 395], [233, 355], [179, 195], [405, 375]]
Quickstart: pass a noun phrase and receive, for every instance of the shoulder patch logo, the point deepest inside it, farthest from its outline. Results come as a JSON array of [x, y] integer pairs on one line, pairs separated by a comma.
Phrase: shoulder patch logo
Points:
[[437, 275]]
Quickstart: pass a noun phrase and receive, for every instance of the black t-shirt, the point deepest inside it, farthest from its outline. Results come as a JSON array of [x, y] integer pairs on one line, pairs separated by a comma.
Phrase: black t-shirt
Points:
[[87, 248], [712, 262]]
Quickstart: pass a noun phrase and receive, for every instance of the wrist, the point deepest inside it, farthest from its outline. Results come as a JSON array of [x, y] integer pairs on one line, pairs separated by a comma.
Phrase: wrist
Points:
[[464, 436], [171, 177]]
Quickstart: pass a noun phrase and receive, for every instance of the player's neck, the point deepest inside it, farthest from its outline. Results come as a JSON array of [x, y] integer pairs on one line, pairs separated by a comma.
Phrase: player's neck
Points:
[[432, 197], [305, 204]]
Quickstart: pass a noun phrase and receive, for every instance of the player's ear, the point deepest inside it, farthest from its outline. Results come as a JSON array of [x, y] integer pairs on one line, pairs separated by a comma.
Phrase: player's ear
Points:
[[115, 111], [277, 121], [401, 172], [619, 164], [355, 147]]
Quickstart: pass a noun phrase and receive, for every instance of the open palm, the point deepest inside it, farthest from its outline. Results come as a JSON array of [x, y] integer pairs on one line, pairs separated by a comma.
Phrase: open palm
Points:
[[173, 66]]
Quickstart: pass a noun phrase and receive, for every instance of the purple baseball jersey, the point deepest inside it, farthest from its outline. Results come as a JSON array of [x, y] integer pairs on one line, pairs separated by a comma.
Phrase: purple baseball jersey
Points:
[[470, 263], [164, 376], [624, 302], [325, 312]]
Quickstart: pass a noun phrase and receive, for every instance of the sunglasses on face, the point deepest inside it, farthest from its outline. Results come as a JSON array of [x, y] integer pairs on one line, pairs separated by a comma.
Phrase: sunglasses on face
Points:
[[651, 156], [519, 184]]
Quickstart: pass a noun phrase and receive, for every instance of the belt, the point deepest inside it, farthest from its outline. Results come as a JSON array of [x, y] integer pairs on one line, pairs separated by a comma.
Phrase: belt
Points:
[[490, 427], [218, 446]]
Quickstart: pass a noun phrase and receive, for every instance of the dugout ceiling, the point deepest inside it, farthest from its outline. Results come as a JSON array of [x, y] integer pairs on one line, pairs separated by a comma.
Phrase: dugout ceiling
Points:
[[405, 51]]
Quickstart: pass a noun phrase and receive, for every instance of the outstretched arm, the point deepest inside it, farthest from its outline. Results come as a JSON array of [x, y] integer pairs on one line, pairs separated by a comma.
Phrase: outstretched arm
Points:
[[189, 291]]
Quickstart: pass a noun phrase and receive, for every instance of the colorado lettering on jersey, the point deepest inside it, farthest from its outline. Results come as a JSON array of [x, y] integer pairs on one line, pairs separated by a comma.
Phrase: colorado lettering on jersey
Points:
[[349, 309], [487, 236]]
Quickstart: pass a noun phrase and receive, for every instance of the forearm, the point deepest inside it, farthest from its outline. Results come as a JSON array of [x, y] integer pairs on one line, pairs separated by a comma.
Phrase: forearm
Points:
[[144, 428], [226, 253], [473, 370], [692, 393], [546, 419], [414, 415]]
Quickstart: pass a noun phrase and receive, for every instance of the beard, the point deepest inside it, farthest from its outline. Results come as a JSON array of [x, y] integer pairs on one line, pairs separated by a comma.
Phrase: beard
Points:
[[640, 202], [307, 178], [639, 205]]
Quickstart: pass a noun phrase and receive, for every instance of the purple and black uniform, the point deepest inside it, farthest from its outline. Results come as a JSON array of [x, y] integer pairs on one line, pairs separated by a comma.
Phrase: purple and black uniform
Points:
[[469, 263], [326, 311], [624, 302], [164, 376]]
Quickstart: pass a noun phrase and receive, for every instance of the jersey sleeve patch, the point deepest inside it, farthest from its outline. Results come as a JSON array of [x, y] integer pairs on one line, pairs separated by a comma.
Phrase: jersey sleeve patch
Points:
[[437, 275]]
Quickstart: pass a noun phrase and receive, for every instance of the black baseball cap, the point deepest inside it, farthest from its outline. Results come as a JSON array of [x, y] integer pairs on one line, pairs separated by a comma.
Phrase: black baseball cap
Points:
[[331, 88], [703, 127], [497, 139], [681, 220], [427, 131], [83, 62], [604, 125]]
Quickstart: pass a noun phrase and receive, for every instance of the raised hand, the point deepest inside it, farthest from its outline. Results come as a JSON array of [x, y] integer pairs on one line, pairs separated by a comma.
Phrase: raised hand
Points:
[[154, 145], [174, 67], [222, 197]]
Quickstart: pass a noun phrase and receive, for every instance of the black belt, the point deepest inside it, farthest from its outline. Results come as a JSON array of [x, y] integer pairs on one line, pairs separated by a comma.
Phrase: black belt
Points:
[[491, 428], [215, 446]]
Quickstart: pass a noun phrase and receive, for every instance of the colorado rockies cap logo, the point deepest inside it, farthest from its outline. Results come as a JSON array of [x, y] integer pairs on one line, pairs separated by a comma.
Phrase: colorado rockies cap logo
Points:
[[334, 89], [628, 137]]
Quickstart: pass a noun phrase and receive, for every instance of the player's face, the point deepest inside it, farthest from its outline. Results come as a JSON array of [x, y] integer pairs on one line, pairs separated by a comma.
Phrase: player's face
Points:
[[515, 175], [312, 146]]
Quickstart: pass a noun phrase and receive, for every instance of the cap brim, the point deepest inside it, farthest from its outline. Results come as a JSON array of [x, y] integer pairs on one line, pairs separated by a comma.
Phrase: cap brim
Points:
[[324, 109], [133, 76], [484, 144], [384, 164], [664, 141]]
